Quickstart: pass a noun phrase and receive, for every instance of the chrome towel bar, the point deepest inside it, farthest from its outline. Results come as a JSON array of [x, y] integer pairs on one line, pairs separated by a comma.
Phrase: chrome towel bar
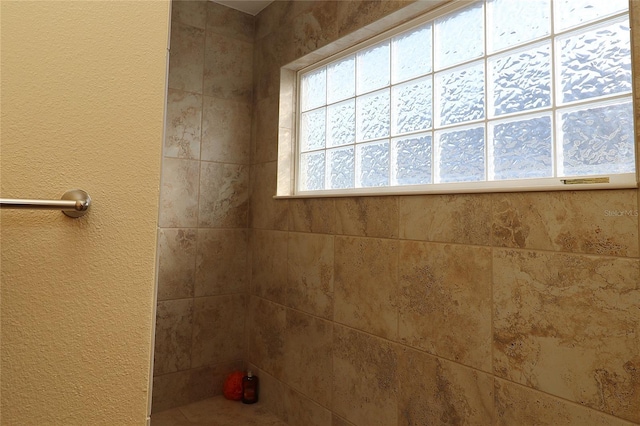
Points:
[[74, 203]]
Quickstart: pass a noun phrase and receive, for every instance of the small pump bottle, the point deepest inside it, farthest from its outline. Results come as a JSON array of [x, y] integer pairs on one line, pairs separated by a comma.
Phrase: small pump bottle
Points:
[[250, 386]]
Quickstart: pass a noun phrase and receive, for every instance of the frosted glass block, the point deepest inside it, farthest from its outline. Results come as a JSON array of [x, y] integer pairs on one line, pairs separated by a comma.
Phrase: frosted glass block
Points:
[[460, 155], [411, 106], [411, 54], [312, 132], [341, 167], [570, 13], [312, 171], [372, 115], [314, 89], [521, 81], [411, 160], [595, 63], [373, 68], [341, 79], [522, 149], [372, 161], [513, 22], [459, 36], [597, 140], [461, 94], [341, 128]]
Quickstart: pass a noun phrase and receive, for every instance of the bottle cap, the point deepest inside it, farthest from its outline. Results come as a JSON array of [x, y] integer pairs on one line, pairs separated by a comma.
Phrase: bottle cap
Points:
[[249, 373]]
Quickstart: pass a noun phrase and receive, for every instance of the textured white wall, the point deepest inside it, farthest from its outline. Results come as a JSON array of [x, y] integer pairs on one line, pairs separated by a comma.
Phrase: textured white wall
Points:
[[83, 95]]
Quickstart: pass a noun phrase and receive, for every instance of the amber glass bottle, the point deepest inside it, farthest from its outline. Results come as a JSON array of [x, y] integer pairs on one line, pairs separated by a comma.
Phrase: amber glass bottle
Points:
[[250, 385]]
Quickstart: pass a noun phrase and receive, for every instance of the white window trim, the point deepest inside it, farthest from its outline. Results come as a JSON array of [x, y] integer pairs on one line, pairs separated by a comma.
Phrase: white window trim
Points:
[[288, 146]]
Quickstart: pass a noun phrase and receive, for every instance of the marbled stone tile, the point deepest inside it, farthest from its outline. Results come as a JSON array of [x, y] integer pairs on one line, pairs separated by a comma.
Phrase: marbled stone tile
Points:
[[271, 53], [186, 58], [265, 131], [445, 301], [459, 218], [221, 262], [568, 325], [367, 216], [268, 324], [304, 411], [224, 195], [176, 263], [272, 391], [228, 68], [597, 222], [218, 411], [308, 357], [312, 215], [265, 212], [171, 417], [170, 391], [433, 391], [310, 274], [518, 405], [315, 27], [339, 421], [355, 14], [183, 125], [366, 286], [226, 131], [229, 22], [179, 193], [365, 378], [273, 17], [218, 329], [268, 260], [189, 12], [184, 387], [174, 324]]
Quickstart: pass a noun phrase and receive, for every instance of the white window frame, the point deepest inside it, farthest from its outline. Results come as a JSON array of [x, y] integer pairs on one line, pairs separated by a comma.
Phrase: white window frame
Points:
[[288, 175]]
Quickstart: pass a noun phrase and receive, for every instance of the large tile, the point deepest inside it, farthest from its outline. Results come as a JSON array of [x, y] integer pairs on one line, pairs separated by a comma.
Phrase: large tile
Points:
[[315, 27], [355, 14], [568, 325], [366, 286], [310, 274], [218, 411], [598, 222], [518, 405], [189, 12], [265, 211], [367, 216], [229, 22], [176, 263], [365, 378], [308, 356], [186, 58], [172, 417], [312, 215], [226, 131], [304, 411], [228, 68], [218, 329], [434, 391], [267, 322], [272, 391], [445, 301], [179, 193], [221, 262], [174, 326], [224, 195], [339, 421], [265, 130], [183, 125], [268, 260], [460, 218]]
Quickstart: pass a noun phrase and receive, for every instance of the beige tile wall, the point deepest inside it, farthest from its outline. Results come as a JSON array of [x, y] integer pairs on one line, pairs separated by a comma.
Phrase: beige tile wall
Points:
[[203, 237], [509, 309]]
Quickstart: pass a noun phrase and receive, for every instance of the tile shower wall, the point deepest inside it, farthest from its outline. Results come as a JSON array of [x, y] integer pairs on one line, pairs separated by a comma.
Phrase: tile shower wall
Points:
[[203, 236], [507, 309]]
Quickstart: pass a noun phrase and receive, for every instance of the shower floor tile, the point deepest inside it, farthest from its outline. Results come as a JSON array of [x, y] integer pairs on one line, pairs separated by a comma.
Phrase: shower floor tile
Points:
[[216, 411]]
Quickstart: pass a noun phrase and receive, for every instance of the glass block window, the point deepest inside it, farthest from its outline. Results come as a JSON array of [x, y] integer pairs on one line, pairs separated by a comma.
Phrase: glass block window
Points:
[[477, 95]]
